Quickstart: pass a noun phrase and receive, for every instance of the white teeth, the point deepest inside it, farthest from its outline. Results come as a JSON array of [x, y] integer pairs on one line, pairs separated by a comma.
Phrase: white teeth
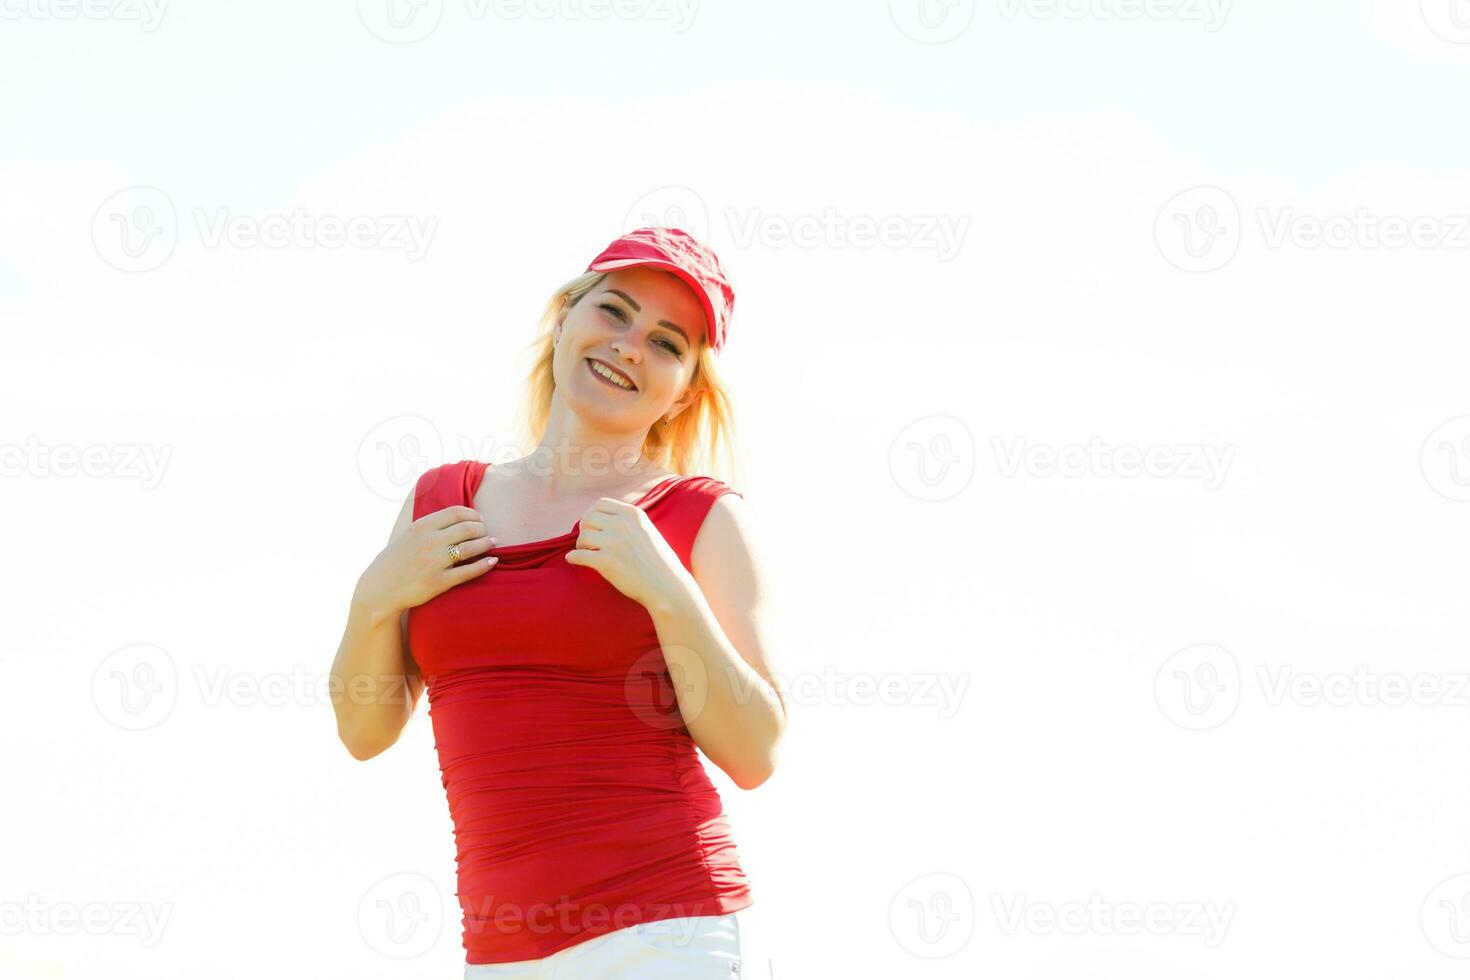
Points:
[[604, 372]]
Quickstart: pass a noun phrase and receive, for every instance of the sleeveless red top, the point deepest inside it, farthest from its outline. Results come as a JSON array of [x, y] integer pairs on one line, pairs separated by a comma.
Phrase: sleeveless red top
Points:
[[578, 801]]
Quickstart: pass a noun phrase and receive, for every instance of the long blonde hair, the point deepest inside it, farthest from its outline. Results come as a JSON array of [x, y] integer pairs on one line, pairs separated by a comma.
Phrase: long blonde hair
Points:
[[687, 445]]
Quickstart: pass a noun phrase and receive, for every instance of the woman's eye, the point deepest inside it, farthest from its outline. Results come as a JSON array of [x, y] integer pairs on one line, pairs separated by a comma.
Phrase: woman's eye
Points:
[[669, 345]]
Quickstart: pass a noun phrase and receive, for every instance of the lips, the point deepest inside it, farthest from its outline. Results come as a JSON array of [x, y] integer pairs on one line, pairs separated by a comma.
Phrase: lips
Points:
[[590, 370]]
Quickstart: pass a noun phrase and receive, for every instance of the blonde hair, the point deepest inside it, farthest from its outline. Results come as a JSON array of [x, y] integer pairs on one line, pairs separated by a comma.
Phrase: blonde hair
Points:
[[687, 445]]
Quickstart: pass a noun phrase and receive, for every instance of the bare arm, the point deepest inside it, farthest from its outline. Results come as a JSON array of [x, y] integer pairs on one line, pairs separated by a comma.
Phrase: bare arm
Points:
[[375, 682], [718, 617]]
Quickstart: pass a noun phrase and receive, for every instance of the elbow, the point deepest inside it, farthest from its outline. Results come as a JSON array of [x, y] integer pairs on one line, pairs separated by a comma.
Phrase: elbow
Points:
[[360, 748], [752, 778]]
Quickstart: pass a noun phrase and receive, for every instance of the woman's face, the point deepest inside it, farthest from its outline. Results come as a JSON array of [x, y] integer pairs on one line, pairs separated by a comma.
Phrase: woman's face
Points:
[[646, 325]]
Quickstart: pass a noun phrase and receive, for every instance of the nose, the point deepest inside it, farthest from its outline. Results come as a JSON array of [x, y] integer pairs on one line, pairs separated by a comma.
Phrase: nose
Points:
[[626, 351]]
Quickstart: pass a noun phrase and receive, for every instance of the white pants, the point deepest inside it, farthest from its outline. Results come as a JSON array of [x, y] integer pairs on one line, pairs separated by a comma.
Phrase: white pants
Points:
[[693, 947]]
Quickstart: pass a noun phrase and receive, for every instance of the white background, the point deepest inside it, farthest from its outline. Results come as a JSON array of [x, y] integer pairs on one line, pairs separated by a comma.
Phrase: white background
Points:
[[1171, 693]]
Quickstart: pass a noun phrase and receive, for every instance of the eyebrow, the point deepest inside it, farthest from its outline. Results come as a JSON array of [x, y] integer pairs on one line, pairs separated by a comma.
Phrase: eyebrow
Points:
[[638, 309]]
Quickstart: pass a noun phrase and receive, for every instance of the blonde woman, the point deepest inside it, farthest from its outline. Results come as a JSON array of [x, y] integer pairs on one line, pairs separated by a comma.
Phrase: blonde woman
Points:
[[572, 672]]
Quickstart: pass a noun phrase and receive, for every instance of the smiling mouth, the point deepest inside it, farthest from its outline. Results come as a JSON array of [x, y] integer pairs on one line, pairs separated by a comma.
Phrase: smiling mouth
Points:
[[596, 367]]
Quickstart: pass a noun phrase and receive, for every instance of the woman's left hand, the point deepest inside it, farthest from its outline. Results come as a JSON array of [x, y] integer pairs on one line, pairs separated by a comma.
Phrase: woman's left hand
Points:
[[623, 545]]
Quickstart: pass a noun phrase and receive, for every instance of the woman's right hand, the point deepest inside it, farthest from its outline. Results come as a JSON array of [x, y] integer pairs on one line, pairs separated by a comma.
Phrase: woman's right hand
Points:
[[415, 566]]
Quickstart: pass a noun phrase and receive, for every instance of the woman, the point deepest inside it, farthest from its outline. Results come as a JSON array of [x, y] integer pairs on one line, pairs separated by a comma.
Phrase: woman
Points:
[[571, 673]]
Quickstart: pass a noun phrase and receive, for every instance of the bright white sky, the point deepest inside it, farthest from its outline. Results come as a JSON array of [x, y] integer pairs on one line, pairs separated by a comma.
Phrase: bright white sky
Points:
[[1228, 239]]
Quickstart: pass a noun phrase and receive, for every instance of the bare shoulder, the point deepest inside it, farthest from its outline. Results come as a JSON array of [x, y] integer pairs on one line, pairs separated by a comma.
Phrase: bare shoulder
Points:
[[724, 547]]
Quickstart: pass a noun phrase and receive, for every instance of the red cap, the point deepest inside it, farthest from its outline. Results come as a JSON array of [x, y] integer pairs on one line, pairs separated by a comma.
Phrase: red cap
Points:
[[679, 253]]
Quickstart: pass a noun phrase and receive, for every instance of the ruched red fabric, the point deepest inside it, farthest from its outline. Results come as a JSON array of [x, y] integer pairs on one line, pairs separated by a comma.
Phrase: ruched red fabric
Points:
[[578, 799]]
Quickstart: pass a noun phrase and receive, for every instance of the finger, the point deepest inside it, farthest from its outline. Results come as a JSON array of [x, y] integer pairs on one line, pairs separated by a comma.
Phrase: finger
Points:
[[470, 569], [590, 539], [450, 515], [583, 556], [463, 531], [471, 545]]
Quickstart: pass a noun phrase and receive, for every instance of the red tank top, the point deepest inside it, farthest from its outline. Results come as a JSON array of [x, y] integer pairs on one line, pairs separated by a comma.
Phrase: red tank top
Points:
[[578, 801]]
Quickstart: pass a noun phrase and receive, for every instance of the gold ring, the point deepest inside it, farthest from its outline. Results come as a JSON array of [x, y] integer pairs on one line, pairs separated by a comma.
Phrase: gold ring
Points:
[[453, 553]]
